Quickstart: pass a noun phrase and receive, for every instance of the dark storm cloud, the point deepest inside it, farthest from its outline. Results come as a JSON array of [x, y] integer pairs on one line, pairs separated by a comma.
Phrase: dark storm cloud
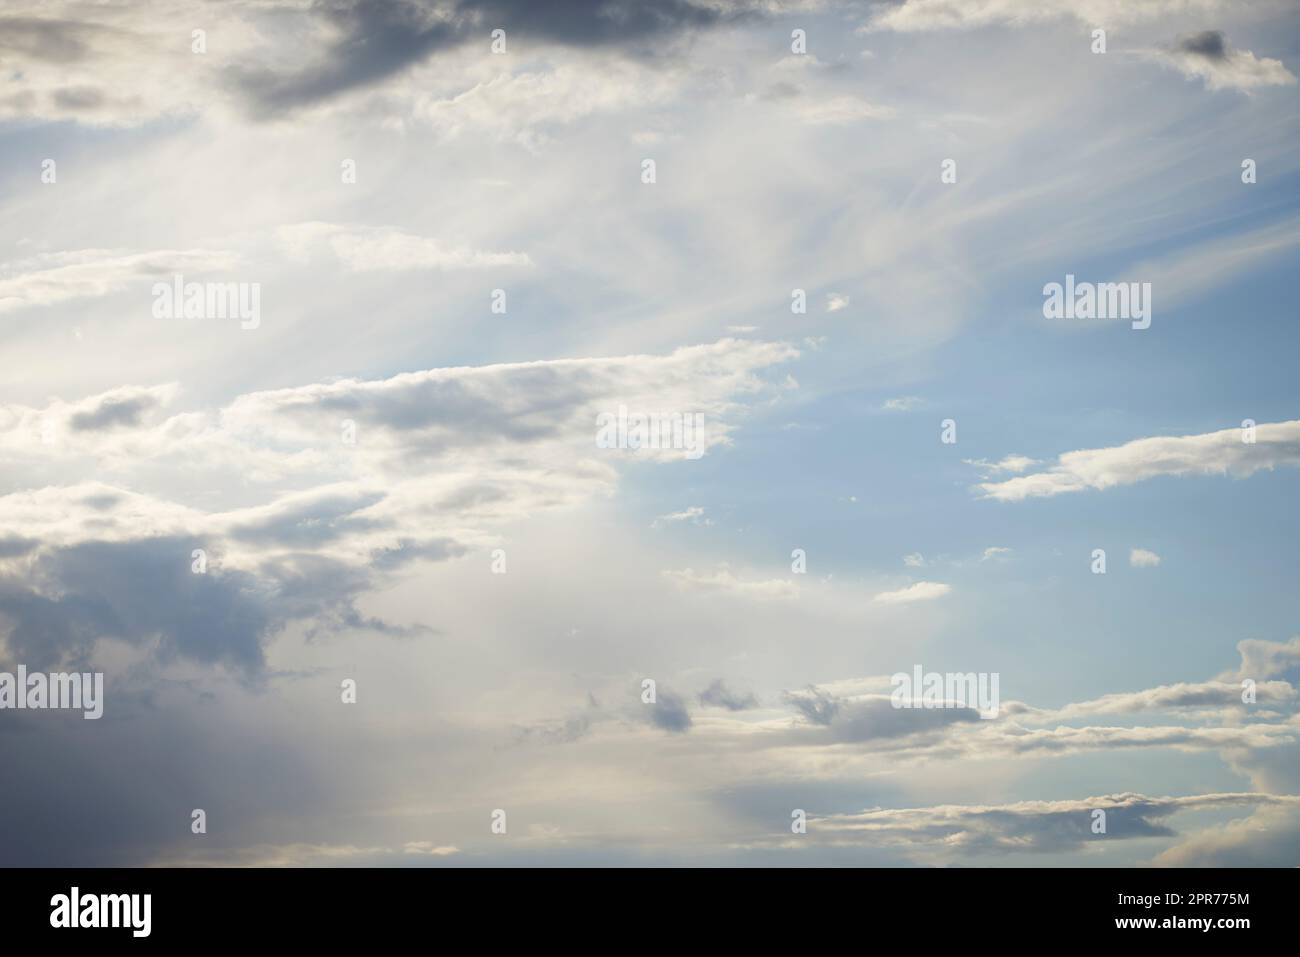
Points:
[[380, 38], [1208, 43]]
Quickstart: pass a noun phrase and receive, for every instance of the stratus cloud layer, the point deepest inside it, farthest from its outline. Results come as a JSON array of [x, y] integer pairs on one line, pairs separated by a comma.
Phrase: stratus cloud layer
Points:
[[1214, 453]]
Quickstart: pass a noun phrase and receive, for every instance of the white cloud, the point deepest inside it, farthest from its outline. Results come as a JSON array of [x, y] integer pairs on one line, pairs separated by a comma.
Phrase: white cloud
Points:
[[919, 15], [693, 514], [919, 591], [1206, 56], [902, 404], [724, 581], [369, 248], [1142, 558], [86, 273], [1213, 453]]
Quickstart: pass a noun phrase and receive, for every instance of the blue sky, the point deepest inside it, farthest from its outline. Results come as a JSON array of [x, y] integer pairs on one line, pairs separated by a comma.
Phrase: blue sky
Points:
[[498, 586]]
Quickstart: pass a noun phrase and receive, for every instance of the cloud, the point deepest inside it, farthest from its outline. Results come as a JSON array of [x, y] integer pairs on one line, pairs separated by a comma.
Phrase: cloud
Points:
[[994, 551], [919, 591], [693, 514], [1270, 659], [914, 560], [923, 15], [1213, 453], [125, 407], [1201, 695], [442, 457], [835, 302], [1270, 837], [1010, 463], [360, 44], [718, 695], [1142, 558], [1207, 56], [723, 581], [669, 713], [902, 404], [371, 249], [1036, 826], [87, 273]]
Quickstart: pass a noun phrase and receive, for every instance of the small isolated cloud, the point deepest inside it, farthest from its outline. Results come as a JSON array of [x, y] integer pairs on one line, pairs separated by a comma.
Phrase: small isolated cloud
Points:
[[836, 301], [694, 514], [994, 551], [1141, 558], [1208, 57], [902, 404], [920, 591], [914, 560]]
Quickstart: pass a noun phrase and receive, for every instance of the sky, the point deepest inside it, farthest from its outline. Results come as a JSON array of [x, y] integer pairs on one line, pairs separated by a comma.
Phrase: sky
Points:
[[369, 585]]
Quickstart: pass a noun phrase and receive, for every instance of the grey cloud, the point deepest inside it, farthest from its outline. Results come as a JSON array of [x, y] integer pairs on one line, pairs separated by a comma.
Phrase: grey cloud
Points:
[[816, 705], [669, 712], [1208, 43], [138, 592], [1031, 825], [59, 41], [13, 546], [313, 521], [719, 695], [86, 98], [115, 410], [380, 39], [144, 593]]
